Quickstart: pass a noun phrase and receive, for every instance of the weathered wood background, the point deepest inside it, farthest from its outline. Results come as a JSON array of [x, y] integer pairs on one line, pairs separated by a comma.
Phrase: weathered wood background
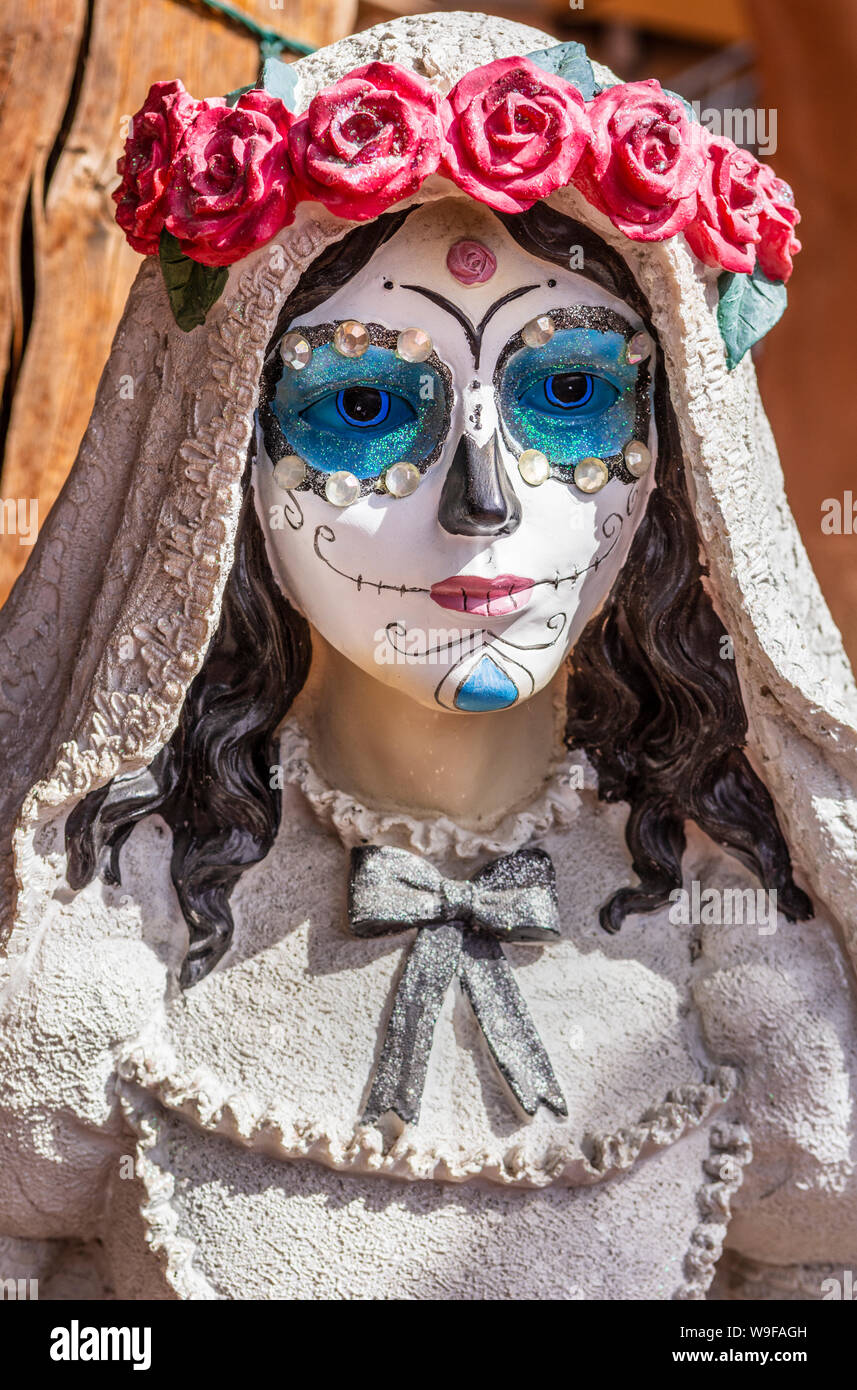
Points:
[[71, 74], [73, 71]]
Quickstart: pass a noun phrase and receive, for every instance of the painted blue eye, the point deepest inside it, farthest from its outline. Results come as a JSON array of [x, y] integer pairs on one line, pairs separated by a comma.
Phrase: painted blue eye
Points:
[[574, 398], [367, 409], [363, 406], [579, 395], [361, 414]]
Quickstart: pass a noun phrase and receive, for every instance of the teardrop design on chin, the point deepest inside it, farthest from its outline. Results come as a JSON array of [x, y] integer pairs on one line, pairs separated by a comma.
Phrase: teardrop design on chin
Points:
[[483, 680], [486, 688]]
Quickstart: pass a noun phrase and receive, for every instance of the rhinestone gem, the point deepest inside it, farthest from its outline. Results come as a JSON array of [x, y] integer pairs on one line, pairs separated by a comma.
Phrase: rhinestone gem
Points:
[[414, 345], [402, 479], [342, 488], [638, 458], [591, 474], [534, 467], [295, 351], [639, 348], [290, 472], [351, 338], [538, 331]]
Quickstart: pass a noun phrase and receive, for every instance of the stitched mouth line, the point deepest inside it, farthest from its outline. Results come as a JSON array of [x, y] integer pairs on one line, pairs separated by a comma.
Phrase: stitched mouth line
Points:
[[379, 586]]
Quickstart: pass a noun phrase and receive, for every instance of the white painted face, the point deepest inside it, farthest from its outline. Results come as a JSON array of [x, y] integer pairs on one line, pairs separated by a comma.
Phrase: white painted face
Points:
[[468, 593]]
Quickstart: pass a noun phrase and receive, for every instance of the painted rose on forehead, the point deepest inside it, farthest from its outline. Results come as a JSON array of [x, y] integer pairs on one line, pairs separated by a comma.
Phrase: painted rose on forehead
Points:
[[470, 262], [213, 183]]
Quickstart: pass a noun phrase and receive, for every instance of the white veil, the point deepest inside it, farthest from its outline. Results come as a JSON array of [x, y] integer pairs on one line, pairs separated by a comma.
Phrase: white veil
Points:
[[111, 619]]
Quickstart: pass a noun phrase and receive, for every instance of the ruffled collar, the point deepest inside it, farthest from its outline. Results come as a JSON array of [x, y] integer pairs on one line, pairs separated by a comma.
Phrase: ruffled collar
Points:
[[554, 806]]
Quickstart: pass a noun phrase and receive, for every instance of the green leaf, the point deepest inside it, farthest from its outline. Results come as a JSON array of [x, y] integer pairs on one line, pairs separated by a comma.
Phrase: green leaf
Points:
[[232, 98], [749, 306], [192, 287], [280, 79], [567, 60]]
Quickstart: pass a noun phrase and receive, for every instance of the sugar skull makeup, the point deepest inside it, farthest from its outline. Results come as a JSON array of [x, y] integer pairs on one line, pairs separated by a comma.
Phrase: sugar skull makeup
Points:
[[361, 414], [575, 396], [450, 524]]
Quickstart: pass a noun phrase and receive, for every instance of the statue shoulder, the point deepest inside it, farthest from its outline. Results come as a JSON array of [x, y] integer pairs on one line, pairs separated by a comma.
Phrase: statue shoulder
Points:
[[776, 999]]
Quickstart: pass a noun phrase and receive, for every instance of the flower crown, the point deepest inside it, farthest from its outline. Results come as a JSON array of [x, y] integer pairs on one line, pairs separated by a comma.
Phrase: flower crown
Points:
[[204, 183]]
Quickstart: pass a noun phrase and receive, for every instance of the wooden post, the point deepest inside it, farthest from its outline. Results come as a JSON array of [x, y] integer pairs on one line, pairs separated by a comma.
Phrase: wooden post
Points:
[[56, 64]]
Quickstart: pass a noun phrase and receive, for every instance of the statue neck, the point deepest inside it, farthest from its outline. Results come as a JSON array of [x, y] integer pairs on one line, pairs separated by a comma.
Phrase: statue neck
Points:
[[382, 747]]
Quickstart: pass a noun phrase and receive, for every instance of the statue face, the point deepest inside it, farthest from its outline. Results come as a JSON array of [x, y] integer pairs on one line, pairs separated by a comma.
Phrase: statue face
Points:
[[455, 574]]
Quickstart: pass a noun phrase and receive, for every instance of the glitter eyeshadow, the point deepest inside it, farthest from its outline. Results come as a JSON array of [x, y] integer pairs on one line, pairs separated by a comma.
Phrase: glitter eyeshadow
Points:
[[360, 416], [576, 396]]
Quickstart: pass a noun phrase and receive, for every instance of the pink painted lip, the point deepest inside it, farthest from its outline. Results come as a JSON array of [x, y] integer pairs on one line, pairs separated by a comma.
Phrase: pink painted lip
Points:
[[489, 598]]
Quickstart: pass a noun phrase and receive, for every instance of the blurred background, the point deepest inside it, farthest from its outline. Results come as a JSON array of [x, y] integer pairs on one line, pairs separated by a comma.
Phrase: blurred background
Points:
[[73, 71]]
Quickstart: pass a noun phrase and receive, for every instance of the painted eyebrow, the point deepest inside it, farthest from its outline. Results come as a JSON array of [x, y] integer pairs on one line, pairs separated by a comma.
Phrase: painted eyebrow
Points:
[[473, 332]]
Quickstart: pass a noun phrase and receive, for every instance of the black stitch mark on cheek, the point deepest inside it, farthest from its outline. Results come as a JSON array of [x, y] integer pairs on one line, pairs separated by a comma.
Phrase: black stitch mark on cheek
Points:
[[326, 534]]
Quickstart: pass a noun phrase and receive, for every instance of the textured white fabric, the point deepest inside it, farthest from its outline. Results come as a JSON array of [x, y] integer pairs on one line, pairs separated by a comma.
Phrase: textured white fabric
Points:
[[99, 641]]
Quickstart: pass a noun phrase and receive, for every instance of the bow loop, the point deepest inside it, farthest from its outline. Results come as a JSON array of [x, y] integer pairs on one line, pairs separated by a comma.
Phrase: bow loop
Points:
[[513, 898], [391, 889]]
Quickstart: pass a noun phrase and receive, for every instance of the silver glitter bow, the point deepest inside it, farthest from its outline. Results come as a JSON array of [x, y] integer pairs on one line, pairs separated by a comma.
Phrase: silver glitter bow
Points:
[[461, 924]]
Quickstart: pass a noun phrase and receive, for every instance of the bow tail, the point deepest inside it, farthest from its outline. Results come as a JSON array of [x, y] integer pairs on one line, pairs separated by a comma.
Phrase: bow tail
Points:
[[508, 1026], [400, 1076]]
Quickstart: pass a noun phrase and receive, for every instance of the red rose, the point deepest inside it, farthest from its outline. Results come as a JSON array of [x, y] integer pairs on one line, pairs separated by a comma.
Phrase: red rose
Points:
[[368, 141], [514, 135], [153, 137], [726, 227], [777, 222], [232, 188], [645, 161]]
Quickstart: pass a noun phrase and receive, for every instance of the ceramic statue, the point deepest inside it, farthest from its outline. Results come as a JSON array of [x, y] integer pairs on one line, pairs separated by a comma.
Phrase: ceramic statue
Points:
[[430, 767]]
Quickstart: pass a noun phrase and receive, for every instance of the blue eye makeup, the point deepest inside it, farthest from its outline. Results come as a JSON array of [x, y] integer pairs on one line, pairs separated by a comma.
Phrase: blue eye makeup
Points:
[[358, 414], [576, 396], [572, 396]]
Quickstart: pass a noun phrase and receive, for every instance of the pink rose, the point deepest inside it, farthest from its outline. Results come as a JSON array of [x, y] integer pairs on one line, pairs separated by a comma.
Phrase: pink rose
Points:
[[726, 227], [150, 148], [645, 161], [470, 262], [514, 135], [232, 187], [368, 141], [777, 222]]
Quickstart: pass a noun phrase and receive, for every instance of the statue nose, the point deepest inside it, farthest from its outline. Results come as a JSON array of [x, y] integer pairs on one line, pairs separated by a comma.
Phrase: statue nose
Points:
[[477, 498]]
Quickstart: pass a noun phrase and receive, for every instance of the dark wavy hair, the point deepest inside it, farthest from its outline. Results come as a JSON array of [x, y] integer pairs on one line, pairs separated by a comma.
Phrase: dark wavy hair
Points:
[[651, 699]]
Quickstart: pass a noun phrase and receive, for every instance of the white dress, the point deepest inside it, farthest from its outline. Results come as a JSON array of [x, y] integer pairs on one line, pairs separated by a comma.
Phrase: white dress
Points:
[[207, 1144]]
